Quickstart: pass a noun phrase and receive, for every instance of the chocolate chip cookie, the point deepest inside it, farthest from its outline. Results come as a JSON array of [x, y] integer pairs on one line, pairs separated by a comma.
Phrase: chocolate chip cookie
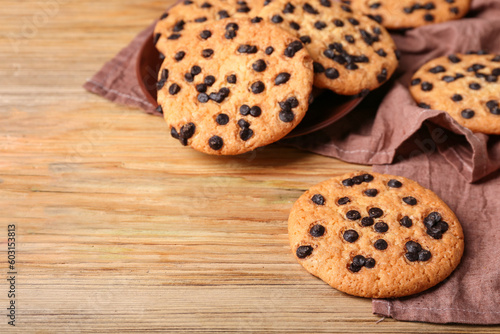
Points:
[[229, 88], [375, 235], [352, 54], [196, 12], [464, 85], [403, 14]]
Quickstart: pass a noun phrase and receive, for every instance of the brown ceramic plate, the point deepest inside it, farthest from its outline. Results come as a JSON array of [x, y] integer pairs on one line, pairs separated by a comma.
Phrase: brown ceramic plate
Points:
[[326, 109]]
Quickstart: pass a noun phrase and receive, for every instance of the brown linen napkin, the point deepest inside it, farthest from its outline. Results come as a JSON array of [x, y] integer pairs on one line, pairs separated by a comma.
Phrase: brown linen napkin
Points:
[[424, 144]]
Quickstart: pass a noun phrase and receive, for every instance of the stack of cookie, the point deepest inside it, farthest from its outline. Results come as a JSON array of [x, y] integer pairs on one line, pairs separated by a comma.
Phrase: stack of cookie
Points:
[[238, 75]]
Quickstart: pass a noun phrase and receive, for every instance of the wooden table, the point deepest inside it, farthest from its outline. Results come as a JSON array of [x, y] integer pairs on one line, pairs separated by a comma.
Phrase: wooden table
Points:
[[118, 227]]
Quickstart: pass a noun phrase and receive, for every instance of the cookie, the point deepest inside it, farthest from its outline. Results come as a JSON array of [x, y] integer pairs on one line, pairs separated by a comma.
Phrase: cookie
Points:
[[374, 235], [404, 14], [466, 86], [196, 12], [352, 54], [232, 88]]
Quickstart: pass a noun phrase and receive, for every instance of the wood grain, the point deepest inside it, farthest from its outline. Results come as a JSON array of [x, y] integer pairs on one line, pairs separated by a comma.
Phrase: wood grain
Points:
[[122, 230]]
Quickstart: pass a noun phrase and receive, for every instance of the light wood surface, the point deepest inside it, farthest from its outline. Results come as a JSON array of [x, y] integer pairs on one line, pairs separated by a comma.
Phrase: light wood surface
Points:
[[119, 228]]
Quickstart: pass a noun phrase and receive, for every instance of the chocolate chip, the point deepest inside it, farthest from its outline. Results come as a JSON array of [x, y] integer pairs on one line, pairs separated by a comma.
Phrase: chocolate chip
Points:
[[255, 111], [243, 9], [432, 218], [424, 255], [367, 37], [174, 89], [491, 78], [368, 178], [189, 77], [412, 257], [259, 65], [367, 221], [286, 116], [382, 76], [294, 25], [380, 244], [207, 53], [187, 131], [370, 263], [448, 78], [359, 261], [243, 124], [201, 88], [230, 34], [496, 59], [174, 133], [320, 25], [363, 59], [277, 19], [289, 8], [354, 268], [179, 55], [495, 71], [205, 34], [415, 82], [346, 8], [157, 38], [325, 3], [195, 70], [222, 119], [467, 113], [426, 86], [231, 79], [429, 17], [217, 97], [353, 215], [457, 97], [353, 21], [331, 55], [305, 39], [246, 134], [371, 192], [492, 105], [410, 200], [200, 19], [397, 53], [406, 222], [475, 86], [454, 10], [174, 36], [292, 48], [376, 18], [206, 5], [187, 2], [338, 23], [424, 105], [203, 98], [310, 9], [394, 184], [247, 49], [331, 73], [269, 50], [349, 39], [437, 69], [375, 5], [223, 14], [209, 80], [381, 53], [160, 84], [381, 227], [454, 59], [351, 236], [179, 26], [343, 201], [161, 56], [475, 68], [159, 109], [413, 247], [378, 31], [281, 78], [294, 103], [163, 16], [256, 19], [375, 212], [215, 143], [317, 231], [348, 182], [304, 251], [318, 199], [257, 87], [358, 179]]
